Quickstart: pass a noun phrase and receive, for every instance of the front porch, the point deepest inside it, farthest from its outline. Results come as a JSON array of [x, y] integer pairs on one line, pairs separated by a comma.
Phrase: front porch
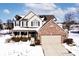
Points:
[[24, 35]]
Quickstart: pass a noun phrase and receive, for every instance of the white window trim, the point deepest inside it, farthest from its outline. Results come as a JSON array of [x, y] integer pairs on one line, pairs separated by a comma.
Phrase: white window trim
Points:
[[24, 24], [17, 23]]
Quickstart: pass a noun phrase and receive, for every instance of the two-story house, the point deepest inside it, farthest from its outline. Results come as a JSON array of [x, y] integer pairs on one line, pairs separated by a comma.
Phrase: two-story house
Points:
[[27, 25], [37, 26]]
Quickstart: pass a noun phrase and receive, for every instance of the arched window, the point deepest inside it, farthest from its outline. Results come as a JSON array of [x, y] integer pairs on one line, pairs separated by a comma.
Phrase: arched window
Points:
[[35, 23]]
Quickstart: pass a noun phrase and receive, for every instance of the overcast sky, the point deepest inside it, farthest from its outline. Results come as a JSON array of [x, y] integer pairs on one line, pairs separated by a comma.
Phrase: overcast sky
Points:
[[9, 10]]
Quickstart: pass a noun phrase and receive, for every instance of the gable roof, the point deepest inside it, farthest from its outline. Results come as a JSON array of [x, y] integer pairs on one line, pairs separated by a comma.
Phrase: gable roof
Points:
[[28, 16], [47, 17], [18, 17], [50, 27]]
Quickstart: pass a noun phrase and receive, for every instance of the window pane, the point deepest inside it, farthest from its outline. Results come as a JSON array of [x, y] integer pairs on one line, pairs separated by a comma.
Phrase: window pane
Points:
[[22, 23], [17, 23], [31, 23], [23, 33], [26, 23], [16, 33], [38, 23]]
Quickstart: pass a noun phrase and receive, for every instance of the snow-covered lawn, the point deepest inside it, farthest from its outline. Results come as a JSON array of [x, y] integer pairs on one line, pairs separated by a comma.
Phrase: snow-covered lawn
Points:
[[3, 38], [18, 48], [73, 49], [75, 37]]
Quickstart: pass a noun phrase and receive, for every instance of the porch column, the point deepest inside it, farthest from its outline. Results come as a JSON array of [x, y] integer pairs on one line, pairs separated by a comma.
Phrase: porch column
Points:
[[13, 33], [20, 33]]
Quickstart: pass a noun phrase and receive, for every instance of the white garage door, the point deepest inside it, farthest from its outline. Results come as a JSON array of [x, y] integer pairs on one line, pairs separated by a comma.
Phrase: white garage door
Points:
[[51, 39]]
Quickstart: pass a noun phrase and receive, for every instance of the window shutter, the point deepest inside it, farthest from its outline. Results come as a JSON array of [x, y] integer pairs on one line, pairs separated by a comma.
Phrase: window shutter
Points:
[[22, 23], [31, 23], [19, 23], [15, 23], [38, 23]]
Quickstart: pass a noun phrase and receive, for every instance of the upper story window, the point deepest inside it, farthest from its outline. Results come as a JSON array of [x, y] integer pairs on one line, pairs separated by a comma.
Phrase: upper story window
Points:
[[35, 23], [17, 23], [24, 23]]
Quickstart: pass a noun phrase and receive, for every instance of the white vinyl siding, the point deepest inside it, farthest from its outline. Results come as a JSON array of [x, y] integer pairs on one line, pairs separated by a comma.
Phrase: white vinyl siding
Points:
[[20, 23], [29, 15]]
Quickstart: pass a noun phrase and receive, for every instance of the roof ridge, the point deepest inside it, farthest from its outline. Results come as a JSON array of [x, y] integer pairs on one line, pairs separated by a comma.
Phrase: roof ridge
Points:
[[59, 27], [27, 14], [54, 23]]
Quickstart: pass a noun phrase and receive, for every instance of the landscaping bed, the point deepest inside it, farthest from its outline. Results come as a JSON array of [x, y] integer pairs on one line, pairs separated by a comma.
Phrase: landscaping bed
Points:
[[17, 39]]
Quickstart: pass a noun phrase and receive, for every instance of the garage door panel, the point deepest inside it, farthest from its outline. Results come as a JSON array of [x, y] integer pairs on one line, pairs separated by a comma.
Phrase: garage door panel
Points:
[[51, 39]]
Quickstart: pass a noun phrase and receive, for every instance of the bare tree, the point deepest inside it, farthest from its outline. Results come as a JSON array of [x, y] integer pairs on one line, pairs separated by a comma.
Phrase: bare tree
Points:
[[68, 20], [9, 24], [1, 26]]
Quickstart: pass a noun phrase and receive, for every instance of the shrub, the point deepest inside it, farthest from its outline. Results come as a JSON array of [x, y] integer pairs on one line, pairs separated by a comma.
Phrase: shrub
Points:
[[24, 39], [68, 41], [16, 39], [37, 42]]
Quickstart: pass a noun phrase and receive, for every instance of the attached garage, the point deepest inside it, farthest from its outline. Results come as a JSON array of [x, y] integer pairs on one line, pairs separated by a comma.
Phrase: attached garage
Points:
[[51, 31], [52, 36]]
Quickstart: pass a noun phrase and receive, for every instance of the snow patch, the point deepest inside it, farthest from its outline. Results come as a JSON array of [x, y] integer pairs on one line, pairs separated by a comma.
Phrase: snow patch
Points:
[[18, 48]]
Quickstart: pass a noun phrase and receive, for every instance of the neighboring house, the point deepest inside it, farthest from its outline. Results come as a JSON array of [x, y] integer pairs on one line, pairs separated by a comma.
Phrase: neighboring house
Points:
[[4, 25], [74, 26], [38, 27]]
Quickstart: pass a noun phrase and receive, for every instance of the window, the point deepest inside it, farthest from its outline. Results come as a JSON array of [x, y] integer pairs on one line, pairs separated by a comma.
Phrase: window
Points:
[[35, 23], [23, 33], [38, 23], [24, 23], [17, 23], [31, 23], [16, 33]]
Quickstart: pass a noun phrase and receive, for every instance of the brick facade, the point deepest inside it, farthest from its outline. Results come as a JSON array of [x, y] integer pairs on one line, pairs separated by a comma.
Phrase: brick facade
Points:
[[51, 28]]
